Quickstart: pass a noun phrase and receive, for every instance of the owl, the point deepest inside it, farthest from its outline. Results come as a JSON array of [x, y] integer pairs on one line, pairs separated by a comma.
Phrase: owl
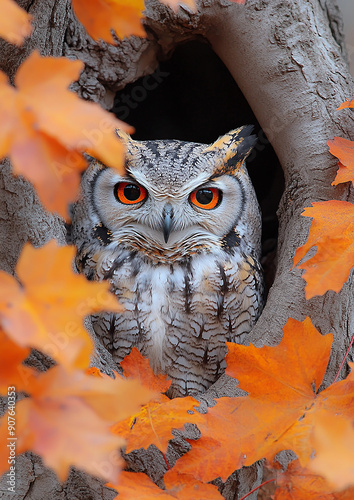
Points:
[[178, 238]]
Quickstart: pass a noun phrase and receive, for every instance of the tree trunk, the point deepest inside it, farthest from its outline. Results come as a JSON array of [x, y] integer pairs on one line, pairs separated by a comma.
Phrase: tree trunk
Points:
[[288, 58]]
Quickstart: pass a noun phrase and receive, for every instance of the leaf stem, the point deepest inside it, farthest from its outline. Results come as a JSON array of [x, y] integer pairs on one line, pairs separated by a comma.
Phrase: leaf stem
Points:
[[345, 357], [255, 489], [166, 461]]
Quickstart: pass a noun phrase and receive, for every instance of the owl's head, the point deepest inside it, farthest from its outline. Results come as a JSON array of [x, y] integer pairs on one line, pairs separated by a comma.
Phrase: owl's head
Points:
[[176, 198]]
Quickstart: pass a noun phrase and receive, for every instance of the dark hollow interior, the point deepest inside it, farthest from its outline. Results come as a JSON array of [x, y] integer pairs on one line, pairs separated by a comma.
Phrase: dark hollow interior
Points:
[[193, 97]]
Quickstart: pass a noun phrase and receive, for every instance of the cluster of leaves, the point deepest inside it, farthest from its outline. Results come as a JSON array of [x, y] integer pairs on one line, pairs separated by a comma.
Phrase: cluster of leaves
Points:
[[73, 415], [283, 410], [332, 229], [67, 415], [45, 128]]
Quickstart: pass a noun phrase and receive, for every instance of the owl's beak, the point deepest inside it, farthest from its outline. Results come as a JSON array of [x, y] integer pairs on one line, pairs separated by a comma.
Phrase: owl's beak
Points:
[[167, 221]]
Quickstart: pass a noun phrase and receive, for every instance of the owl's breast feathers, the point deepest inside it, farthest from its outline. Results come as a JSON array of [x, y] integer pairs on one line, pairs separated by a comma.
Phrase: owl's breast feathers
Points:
[[180, 314]]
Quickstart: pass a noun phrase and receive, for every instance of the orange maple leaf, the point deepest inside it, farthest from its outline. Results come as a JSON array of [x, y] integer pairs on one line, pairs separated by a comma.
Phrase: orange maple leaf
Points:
[[186, 487], [175, 4], [64, 430], [46, 311], [347, 104], [333, 440], [344, 174], [101, 16], [343, 149], [44, 127], [67, 420], [300, 483], [12, 372], [15, 23], [111, 399], [136, 366], [136, 485], [154, 422], [278, 412], [332, 232]]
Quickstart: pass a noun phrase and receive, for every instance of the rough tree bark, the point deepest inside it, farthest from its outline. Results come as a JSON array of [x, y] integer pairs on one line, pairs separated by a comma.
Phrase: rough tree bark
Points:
[[288, 58]]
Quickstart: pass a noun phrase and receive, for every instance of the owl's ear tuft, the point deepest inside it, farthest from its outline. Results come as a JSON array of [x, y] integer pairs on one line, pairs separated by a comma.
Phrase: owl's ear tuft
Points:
[[232, 149]]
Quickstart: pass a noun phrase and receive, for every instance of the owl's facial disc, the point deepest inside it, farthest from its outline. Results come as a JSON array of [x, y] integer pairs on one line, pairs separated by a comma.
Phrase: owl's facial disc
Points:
[[139, 211]]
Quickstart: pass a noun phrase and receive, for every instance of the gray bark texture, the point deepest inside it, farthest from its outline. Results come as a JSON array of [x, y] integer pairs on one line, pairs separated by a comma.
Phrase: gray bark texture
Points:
[[288, 58]]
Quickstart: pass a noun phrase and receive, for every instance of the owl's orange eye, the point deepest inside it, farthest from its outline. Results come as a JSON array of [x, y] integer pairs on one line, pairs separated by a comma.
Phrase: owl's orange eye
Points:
[[129, 193], [206, 198]]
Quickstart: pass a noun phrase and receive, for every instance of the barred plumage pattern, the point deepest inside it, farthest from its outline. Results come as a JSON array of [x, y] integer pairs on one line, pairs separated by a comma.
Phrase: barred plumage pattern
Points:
[[186, 297]]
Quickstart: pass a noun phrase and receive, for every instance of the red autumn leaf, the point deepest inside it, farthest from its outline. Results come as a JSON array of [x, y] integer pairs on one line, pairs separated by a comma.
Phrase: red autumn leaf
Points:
[[15, 23], [101, 16], [343, 149], [299, 483], [46, 311], [332, 232], [44, 128], [347, 104], [240, 431], [136, 366]]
